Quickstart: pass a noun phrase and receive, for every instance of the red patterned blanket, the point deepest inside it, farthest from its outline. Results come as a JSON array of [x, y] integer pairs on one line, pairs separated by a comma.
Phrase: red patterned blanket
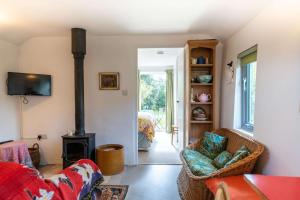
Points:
[[75, 182]]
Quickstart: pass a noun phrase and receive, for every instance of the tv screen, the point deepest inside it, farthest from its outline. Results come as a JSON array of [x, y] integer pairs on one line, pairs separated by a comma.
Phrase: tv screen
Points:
[[28, 84]]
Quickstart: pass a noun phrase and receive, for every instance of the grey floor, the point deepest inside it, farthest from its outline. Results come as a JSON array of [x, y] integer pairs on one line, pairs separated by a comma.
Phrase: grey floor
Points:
[[148, 182], [161, 151]]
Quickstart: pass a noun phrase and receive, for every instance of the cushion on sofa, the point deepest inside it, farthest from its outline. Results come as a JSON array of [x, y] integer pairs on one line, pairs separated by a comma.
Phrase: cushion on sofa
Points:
[[222, 159], [190, 154], [212, 145], [199, 164], [241, 153]]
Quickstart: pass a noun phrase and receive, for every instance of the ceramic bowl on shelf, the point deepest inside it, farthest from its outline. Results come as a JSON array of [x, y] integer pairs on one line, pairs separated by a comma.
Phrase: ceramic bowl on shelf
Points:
[[205, 78], [200, 118], [198, 113]]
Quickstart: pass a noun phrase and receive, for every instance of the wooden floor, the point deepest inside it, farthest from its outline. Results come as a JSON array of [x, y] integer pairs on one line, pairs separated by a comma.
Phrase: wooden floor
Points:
[[146, 182]]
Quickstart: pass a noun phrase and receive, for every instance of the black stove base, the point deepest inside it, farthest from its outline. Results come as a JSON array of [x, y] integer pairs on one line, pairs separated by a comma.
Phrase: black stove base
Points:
[[78, 147]]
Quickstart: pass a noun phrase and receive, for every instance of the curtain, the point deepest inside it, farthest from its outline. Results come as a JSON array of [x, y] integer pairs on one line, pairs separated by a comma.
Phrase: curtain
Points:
[[169, 101], [139, 91]]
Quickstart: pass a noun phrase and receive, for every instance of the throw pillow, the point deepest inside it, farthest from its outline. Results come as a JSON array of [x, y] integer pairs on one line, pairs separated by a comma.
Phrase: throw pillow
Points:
[[190, 154], [222, 159], [212, 145], [241, 153]]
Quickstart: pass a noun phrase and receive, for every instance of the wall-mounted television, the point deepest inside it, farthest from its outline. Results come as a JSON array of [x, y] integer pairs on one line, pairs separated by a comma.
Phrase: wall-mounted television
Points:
[[28, 84]]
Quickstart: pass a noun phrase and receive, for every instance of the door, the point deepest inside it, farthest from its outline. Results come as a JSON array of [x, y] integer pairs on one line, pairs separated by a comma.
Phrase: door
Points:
[[180, 107]]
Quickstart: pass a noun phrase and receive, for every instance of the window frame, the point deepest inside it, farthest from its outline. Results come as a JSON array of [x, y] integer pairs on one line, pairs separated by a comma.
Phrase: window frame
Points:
[[245, 90], [245, 102]]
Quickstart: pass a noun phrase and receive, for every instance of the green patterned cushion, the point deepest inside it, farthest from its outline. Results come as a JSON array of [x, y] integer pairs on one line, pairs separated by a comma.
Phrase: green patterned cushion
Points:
[[201, 168], [190, 155], [199, 164], [212, 145], [222, 159], [239, 155]]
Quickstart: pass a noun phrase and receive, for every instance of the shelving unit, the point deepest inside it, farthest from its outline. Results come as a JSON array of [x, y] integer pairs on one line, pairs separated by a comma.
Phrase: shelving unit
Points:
[[201, 122], [201, 65], [201, 103], [205, 49], [200, 84]]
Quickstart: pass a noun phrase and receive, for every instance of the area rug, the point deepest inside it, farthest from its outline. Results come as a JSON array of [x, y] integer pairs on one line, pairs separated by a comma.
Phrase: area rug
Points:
[[111, 192]]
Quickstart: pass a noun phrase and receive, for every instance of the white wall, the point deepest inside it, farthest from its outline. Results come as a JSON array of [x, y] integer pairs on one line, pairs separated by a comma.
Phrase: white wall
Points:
[[112, 116], [9, 106], [52, 115], [277, 119]]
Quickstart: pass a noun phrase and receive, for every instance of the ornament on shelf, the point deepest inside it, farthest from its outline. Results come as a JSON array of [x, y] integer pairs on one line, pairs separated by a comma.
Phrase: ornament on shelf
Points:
[[192, 95]]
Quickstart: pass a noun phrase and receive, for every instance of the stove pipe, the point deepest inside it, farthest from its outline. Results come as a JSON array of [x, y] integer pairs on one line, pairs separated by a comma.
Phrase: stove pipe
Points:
[[78, 51]]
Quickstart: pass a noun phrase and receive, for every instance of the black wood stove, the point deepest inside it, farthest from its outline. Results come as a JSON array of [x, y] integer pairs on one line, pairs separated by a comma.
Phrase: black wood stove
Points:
[[80, 145]]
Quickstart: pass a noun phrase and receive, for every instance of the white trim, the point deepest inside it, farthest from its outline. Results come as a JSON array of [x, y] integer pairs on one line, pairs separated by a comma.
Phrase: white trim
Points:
[[154, 68], [246, 133]]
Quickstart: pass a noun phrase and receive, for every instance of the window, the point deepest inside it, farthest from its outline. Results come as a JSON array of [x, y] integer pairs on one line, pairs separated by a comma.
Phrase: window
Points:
[[248, 86]]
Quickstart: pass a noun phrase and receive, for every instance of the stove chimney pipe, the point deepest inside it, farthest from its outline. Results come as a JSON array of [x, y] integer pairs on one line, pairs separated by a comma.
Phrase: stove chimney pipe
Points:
[[78, 51]]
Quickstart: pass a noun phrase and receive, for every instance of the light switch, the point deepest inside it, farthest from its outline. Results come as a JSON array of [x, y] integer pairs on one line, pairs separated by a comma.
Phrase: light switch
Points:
[[124, 92]]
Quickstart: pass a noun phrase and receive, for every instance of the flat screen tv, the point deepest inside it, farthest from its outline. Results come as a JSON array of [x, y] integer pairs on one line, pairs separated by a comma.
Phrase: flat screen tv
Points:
[[28, 84]]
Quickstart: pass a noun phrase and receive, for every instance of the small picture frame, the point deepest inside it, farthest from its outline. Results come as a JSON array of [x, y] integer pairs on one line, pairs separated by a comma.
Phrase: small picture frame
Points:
[[109, 80]]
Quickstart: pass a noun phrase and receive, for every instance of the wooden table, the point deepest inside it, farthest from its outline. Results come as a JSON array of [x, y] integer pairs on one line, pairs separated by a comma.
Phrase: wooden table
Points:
[[16, 151]]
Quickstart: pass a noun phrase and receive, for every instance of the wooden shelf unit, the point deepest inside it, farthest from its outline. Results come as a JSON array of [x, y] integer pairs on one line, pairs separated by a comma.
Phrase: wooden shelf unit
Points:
[[195, 49], [201, 65], [201, 84], [201, 103], [201, 122]]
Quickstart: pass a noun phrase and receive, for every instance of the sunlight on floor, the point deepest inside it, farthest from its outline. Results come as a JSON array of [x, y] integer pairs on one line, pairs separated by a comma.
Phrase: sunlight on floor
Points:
[[161, 151]]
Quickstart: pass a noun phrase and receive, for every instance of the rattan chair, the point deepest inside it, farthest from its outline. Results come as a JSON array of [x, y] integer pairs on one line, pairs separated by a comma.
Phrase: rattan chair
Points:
[[193, 187]]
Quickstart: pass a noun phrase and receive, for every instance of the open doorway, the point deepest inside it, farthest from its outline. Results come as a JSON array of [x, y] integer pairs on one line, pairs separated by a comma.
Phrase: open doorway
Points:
[[152, 98], [160, 114]]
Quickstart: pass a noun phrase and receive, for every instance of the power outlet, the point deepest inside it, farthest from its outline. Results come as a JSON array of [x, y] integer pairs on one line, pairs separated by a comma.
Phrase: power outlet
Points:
[[42, 136]]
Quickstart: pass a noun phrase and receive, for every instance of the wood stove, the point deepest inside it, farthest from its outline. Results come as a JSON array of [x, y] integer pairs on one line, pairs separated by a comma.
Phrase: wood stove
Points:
[[78, 147], [81, 145]]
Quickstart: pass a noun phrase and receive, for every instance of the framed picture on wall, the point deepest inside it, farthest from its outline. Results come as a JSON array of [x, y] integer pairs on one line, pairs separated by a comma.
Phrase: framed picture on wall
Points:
[[109, 80]]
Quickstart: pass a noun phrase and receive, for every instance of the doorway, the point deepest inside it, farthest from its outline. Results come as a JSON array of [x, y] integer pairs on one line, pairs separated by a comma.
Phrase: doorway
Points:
[[161, 110], [152, 98]]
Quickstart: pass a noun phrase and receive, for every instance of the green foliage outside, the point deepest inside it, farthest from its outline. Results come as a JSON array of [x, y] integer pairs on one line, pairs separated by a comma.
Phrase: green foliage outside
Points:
[[153, 97]]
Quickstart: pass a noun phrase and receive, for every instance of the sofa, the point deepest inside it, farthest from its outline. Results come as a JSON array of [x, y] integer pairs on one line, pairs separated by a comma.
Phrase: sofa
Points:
[[77, 181], [199, 164]]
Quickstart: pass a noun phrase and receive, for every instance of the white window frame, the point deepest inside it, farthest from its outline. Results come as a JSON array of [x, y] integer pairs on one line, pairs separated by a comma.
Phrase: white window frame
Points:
[[241, 96]]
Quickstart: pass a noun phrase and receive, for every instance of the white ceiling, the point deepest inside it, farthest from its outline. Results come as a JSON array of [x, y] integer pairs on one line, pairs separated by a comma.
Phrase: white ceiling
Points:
[[22, 19], [150, 60]]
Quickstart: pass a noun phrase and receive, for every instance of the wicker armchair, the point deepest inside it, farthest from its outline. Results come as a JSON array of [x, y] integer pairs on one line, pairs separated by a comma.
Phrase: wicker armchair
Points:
[[193, 187]]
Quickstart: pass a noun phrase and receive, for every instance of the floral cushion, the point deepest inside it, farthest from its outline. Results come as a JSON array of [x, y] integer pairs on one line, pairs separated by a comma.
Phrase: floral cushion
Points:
[[239, 155], [199, 164], [212, 145], [222, 159]]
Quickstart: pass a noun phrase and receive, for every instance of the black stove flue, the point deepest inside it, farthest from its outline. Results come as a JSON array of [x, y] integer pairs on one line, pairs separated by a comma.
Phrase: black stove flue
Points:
[[79, 51]]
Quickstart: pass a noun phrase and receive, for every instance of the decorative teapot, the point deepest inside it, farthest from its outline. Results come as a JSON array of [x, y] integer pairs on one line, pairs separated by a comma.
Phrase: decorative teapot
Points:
[[203, 97]]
